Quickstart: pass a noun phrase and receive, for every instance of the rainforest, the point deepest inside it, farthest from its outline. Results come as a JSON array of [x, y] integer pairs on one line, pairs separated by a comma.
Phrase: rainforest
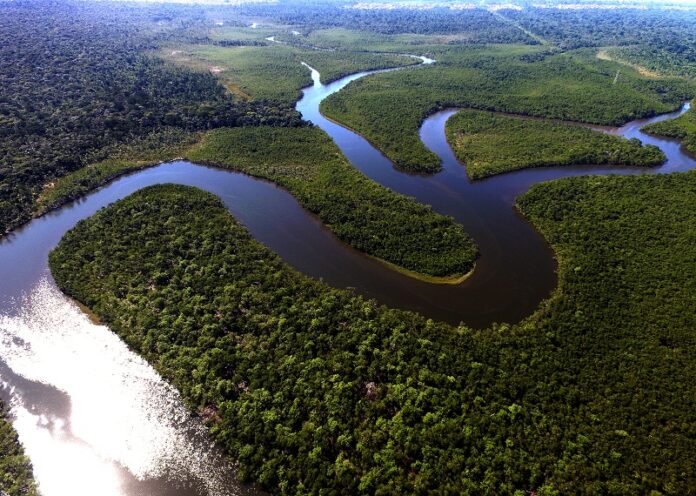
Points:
[[341, 247]]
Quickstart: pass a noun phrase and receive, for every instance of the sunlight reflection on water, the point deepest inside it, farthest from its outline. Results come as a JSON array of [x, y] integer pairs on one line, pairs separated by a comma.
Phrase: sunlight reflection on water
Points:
[[94, 417]]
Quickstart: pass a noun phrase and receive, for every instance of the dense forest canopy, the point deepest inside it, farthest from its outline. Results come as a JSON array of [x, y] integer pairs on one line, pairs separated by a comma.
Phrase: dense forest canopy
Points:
[[72, 85], [527, 80], [15, 469], [489, 143], [478, 24], [316, 390], [664, 42], [669, 30]]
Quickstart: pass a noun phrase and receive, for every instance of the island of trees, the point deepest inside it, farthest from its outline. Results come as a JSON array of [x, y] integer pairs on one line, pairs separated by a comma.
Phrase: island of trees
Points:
[[315, 389], [489, 143]]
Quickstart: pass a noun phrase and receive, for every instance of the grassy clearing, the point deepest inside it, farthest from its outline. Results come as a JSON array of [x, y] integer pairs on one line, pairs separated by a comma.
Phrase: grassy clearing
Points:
[[274, 72], [389, 108], [490, 144], [594, 394], [260, 72], [335, 65]]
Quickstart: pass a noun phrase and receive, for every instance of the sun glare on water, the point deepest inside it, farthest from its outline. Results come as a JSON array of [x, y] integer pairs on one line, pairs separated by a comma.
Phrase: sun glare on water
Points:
[[94, 417]]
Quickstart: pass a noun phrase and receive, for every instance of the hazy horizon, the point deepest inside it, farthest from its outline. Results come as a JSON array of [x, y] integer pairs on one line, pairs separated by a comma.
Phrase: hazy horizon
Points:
[[455, 4]]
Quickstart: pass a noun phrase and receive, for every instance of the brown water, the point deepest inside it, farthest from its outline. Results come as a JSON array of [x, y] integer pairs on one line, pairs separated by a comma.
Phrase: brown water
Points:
[[96, 419]]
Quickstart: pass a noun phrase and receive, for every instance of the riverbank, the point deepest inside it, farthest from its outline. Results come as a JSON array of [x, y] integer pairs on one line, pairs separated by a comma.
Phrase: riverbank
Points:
[[367, 216], [16, 477], [682, 128], [453, 280], [304, 161], [389, 110], [489, 144], [155, 149], [600, 333]]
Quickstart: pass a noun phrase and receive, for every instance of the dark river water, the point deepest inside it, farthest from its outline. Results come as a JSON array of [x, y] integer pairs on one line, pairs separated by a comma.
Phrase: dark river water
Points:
[[516, 269], [97, 419]]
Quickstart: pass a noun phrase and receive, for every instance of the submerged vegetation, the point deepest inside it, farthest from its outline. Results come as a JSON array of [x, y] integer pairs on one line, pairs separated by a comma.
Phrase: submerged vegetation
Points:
[[316, 389], [15, 469], [491, 144], [682, 128], [535, 81]]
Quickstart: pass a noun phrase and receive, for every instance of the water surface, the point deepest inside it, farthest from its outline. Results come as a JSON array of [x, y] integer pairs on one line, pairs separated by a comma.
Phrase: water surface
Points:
[[516, 269], [97, 419]]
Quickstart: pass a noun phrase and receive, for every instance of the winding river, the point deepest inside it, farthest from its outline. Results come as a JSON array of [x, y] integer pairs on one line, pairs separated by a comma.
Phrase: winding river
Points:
[[97, 419]]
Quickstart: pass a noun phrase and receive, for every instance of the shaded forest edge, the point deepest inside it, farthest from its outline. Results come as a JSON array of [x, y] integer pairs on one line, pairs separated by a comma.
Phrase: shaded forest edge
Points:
[[316, 389], [16, 477], [489, 144]]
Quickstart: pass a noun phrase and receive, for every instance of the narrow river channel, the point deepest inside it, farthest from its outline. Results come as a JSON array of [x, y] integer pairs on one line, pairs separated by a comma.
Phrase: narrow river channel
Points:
[[96, 419]]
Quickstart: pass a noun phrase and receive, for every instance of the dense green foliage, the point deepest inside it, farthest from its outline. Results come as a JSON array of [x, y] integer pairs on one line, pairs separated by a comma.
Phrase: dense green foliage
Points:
[[366, 215], [663, 41], [72, 85], [388, 108], [159, 146], [15, 469], [275, 71], [671, 31], [470, 25], [305, 161], [653, 60], [319, 391], [491, 144], [683, 128]]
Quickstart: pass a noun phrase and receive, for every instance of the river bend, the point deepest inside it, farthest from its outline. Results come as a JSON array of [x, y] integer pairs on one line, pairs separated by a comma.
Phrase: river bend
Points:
[[97, 419]]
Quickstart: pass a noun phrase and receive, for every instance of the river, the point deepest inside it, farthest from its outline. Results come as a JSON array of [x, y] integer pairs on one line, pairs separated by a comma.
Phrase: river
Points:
[[97, 419]]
